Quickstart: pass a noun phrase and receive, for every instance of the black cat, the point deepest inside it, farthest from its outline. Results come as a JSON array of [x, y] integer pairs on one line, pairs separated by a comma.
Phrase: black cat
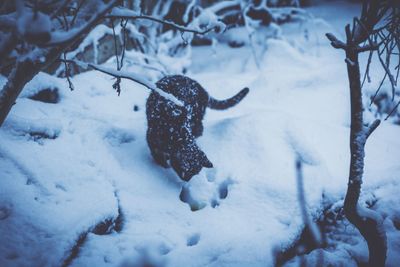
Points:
[[172, 129]]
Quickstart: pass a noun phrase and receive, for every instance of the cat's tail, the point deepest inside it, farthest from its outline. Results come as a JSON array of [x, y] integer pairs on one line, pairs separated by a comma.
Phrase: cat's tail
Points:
[[227, 103]]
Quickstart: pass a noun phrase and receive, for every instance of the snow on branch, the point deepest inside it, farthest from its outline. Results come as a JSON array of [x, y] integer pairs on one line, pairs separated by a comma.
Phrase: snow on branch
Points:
[[58, 38], [127, 75], [137, 79], [123, 13], [372, 128], [335, 42]]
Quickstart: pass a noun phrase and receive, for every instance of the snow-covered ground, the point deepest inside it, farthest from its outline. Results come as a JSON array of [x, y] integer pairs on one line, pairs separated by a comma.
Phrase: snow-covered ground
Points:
[[67, 167]]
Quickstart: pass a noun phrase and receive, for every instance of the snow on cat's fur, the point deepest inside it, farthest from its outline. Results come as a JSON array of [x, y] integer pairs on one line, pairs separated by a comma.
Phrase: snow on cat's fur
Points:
[[172, 129]]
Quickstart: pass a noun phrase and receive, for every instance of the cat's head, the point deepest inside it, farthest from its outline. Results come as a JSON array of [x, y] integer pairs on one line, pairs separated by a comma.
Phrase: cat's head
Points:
[[188, 161]]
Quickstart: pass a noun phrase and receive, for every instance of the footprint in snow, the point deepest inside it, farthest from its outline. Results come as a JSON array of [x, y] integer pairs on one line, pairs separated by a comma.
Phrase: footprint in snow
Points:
[[193, 240], [5, 211], [151, 253], [205, 189], [117, 136]]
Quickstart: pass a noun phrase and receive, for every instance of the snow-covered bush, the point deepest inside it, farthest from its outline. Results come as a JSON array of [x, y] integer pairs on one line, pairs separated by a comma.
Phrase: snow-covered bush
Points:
[[145, 45]]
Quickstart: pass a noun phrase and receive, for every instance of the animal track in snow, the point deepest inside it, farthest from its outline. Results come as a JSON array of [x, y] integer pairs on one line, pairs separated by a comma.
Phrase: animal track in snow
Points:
[[200, 191], [193, 240], [5, 211], [116, 136], [223, 188], [151, 253], [186, 197], [60, 187]]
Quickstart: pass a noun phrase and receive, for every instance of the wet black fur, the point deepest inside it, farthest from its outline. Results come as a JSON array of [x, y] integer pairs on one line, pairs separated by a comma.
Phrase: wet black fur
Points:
[[172, 129]]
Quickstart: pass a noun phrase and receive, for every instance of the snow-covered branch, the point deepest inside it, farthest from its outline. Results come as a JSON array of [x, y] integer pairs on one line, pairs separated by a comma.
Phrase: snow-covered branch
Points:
[[123, 13], [335, 42], [58, 38], [137, 79], [129, 76], [372, 128]]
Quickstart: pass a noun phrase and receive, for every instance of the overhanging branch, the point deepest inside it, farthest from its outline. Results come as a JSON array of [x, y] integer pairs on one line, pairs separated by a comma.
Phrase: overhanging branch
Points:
[[129, 76], [137, 79], [122, 13]]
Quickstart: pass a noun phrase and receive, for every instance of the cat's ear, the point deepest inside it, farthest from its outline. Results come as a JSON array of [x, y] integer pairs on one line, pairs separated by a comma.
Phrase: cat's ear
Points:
[[206, 162]]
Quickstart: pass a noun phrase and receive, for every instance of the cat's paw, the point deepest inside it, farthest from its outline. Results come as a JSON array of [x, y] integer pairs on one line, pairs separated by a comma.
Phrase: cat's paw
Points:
[[205, 189]]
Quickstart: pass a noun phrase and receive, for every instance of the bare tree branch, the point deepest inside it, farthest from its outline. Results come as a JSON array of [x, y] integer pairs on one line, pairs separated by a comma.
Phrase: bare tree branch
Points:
[[393, 110], [372, 128], [335, 42]]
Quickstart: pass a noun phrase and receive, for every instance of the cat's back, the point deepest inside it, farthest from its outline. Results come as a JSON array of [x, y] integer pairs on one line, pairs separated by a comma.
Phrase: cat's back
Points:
[[185, 89]]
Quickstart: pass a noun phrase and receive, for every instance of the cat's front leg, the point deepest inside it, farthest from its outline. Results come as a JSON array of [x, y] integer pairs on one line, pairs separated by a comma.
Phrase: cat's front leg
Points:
[[197, 129], [161, 158], [155, 146]]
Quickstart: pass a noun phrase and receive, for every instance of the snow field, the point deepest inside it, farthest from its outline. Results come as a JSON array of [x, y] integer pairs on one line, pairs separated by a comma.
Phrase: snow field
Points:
[[69, 166]]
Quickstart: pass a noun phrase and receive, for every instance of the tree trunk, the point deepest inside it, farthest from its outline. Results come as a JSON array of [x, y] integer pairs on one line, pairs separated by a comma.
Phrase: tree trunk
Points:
[[22, 73], [370, 227]]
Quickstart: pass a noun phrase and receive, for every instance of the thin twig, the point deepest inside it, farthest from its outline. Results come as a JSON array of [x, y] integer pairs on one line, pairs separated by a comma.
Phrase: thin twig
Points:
[[76, 12], [389, 74], [115, 44], [67, 73], [124, 40], [385, 67], [366, 74], [58, 10], [393, 110], [379, 88], [65, 21]]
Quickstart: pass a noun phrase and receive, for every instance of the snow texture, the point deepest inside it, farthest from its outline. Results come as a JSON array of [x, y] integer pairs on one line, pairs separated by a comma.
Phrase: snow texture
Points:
[[67, 169]]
